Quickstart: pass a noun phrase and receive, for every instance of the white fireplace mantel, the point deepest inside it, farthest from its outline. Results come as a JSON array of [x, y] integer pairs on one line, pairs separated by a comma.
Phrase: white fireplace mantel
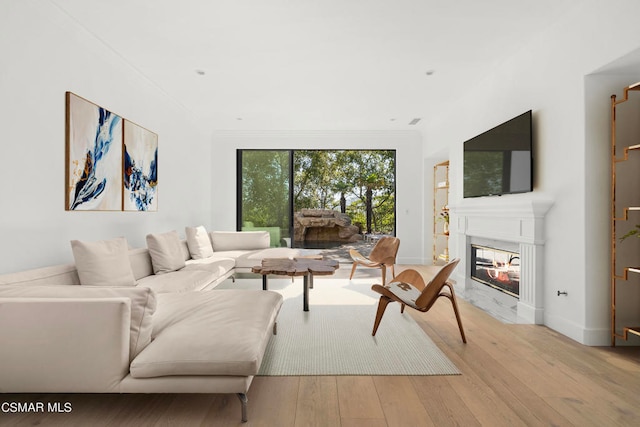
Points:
[[516, 220]]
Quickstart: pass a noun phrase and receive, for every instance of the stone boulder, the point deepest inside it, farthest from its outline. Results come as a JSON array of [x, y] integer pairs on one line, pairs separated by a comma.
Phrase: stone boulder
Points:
[[324, 225]]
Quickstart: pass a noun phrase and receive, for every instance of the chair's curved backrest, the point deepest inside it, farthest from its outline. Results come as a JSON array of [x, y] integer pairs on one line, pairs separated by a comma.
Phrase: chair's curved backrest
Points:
[[410, 276], [432, 290], [385, 251]]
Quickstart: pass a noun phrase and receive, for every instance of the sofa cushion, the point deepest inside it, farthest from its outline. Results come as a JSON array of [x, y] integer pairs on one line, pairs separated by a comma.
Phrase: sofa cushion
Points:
[[166, 252], [178, 281], [218, 332], [239, 240], [198, 242], [140, 262], [103, 263], [218, 266], [143, 305]]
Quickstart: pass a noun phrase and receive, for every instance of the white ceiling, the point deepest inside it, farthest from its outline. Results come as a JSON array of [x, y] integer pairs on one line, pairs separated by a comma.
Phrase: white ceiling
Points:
[[314, 64]]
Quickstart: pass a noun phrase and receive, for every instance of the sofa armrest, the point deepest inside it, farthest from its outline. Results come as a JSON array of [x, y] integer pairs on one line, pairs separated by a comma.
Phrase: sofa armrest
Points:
[[63, 344]]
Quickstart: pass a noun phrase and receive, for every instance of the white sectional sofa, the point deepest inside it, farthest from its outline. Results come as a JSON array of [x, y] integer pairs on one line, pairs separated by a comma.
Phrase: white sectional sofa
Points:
[[134, 320], [231, 252]]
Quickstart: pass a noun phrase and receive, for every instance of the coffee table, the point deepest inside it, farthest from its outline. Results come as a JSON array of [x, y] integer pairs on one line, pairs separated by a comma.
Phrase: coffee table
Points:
[[306, 267]]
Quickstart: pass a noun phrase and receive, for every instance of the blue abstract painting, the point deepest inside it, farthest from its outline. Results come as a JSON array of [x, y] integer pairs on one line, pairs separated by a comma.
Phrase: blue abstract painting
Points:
[[93, 157], [140, 175]]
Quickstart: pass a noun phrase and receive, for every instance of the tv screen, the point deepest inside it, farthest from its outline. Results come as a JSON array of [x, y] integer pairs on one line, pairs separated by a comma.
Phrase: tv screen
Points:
[[500, 161]]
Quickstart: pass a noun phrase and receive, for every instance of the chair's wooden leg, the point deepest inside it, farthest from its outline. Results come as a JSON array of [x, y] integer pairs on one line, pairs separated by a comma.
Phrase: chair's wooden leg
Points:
[[393, 271], [382, 306], [457, 312], [401, 308], [353, 270], [383, 268]]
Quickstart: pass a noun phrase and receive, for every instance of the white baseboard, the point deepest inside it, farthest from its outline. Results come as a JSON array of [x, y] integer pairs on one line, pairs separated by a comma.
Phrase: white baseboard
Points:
[[586, 336]]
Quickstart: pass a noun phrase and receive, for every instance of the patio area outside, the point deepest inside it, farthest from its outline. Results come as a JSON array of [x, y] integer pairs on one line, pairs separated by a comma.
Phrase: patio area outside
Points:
[[341, 252]]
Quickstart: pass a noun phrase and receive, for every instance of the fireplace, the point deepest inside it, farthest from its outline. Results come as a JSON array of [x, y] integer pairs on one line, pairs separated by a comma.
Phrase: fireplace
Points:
[[497, 268], [514, 225]]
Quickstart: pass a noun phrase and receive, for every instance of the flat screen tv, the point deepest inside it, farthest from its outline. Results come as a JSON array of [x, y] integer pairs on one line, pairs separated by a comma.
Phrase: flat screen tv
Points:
[[500, 161]]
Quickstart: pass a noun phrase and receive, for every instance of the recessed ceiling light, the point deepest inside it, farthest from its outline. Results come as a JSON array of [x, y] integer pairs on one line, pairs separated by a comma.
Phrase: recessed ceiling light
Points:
[[414, 121], [200, 72], [238, 118], [430, 72], [393, 120]]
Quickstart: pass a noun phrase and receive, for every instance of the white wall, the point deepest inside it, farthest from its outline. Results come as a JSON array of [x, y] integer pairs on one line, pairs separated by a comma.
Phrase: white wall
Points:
[[548, 76], [43, 53], [409, 174]]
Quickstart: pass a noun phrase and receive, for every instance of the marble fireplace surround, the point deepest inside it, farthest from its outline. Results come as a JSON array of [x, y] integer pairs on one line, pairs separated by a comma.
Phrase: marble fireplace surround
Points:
[[512, 223]]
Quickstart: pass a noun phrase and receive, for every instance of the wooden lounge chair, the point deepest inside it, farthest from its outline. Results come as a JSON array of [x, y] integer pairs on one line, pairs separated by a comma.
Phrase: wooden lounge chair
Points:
[[408, 288], [382, 255]]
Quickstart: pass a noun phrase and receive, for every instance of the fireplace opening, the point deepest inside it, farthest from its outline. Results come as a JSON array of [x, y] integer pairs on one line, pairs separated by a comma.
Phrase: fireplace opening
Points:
[[497, 268]]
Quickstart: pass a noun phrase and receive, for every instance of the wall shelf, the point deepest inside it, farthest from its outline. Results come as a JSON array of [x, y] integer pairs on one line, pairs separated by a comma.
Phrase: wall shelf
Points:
[[626, 271], [623, 186], [635, 330], [440, 209], [625, 217]]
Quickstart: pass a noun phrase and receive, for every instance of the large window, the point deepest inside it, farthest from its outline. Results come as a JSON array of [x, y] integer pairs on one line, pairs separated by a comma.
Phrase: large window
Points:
[[348, 191], [264, 193]]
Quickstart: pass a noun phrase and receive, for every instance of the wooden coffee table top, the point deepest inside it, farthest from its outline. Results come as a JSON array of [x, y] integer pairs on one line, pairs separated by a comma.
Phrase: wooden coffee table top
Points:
[[296, 266]]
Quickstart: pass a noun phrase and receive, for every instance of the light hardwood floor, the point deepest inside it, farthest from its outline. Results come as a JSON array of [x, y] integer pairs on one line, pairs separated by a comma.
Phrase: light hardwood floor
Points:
[[512, 375]]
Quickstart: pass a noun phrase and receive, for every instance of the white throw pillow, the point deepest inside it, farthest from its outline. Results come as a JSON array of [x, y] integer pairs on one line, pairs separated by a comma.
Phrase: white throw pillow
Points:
[[198, 242], [103, 263], [166, 252]]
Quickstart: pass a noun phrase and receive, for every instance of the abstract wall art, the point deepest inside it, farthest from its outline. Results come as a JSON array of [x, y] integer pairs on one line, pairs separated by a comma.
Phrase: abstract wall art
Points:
[[111, 164], [93, 166], [140, 177]]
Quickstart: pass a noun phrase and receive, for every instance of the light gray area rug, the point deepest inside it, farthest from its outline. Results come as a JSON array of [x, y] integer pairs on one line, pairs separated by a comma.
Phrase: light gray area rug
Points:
[[334, 337]]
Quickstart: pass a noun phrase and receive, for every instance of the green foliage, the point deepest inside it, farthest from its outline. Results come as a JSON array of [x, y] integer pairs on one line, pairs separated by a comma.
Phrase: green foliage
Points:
[[265, 188], [360, 183], [314, 178], [634, 232]]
